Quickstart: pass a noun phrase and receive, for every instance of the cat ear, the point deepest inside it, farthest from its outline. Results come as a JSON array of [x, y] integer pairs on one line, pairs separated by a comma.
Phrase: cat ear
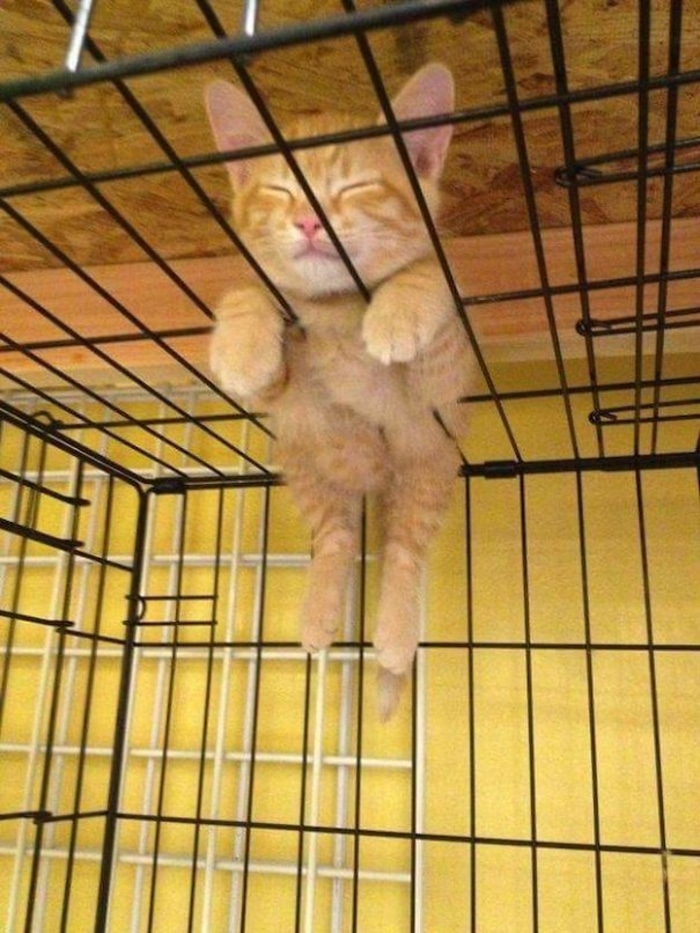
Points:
[[429, 92], [236, 124]]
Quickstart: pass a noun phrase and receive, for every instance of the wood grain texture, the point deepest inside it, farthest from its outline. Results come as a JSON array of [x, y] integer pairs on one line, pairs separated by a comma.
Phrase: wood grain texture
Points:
[[99, 131], [53, 219], [149, 304]]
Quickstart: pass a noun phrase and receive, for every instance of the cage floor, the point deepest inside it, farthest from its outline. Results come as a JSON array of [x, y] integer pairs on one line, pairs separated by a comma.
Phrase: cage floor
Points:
[[542, 773]]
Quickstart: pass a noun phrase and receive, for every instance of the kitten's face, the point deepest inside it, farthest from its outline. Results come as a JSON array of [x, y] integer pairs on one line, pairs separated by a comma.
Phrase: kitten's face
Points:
[[361, 186], [365, 196]]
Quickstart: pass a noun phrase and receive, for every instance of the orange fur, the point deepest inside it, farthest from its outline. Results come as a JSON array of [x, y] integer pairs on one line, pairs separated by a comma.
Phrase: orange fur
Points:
[[353, 390]]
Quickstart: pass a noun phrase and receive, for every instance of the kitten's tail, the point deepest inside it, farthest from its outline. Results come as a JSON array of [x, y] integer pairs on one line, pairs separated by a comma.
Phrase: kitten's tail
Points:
[[389, 689]]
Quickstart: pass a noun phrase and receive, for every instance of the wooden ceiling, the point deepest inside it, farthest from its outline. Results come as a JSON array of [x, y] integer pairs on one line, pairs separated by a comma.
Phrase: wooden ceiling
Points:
[[99, 132], [53, 225]]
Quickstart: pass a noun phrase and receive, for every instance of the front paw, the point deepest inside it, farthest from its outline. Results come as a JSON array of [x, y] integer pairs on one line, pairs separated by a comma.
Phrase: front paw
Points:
[[245, 353], [393, 332]]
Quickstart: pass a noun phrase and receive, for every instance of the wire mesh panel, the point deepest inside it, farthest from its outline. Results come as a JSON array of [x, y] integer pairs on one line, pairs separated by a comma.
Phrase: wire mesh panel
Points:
[[179, 762], [172, 759], [586, 174]]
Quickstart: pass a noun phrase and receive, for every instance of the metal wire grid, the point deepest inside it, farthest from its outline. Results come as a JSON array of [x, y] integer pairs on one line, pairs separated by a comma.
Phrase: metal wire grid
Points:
[[84, 558], [651, 401], [95, 803], [54, 750]]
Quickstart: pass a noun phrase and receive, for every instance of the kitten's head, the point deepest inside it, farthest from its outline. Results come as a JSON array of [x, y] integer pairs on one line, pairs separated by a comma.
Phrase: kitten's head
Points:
[[362, 187]]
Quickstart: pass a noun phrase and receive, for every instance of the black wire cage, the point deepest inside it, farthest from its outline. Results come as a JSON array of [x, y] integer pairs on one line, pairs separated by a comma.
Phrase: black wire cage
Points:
[[171, 758]]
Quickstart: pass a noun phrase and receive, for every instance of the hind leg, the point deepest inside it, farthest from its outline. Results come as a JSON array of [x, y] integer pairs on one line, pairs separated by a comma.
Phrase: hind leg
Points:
[[335, 522], [414, 506], [331, 459]]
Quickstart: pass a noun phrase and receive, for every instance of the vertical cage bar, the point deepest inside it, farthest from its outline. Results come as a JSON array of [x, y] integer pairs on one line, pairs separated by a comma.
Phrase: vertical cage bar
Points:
[[174, 629], [206, 716], [674, 58], [656, 725], [419, 725], [357, 815], [253, 708], [349, 676], [65, 581], [644, 25], [556, 45], [591, 700], [119, 747], [469, 580], [316, 772], [16, 589], [99, 607], [250, 701], [414, 891], [299, 886], [39, 868], [89, 690], [141, 868], [529, 687]]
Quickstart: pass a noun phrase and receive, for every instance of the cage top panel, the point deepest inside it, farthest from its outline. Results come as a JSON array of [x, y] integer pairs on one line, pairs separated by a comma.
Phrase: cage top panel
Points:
[[589, 55], [570, 222]]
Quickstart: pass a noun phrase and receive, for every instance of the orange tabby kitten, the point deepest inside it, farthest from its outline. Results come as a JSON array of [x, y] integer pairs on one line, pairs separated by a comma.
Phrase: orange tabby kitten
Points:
[[353, 391]]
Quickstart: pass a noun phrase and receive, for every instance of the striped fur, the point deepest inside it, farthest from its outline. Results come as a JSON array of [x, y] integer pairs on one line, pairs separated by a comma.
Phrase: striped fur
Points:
[[352, 391]]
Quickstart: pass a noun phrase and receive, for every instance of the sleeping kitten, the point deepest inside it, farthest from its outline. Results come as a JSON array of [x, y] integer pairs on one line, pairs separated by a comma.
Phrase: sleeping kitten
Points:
[[353, 391]]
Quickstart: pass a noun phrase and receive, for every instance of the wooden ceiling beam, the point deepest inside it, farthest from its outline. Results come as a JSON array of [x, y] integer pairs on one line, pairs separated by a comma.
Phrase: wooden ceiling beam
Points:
[[515, 329]]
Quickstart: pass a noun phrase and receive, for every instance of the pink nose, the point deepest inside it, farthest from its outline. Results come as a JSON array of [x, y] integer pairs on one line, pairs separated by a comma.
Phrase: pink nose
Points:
[[309, 224]]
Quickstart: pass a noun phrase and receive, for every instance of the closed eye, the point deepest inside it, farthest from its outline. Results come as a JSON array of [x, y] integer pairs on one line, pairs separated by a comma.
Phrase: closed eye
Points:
[[277, 191], [360, 187]]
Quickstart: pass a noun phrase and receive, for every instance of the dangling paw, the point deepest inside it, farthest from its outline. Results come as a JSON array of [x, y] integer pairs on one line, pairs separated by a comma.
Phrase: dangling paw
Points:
[[396, 644], [389, 689], [319, 623]]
